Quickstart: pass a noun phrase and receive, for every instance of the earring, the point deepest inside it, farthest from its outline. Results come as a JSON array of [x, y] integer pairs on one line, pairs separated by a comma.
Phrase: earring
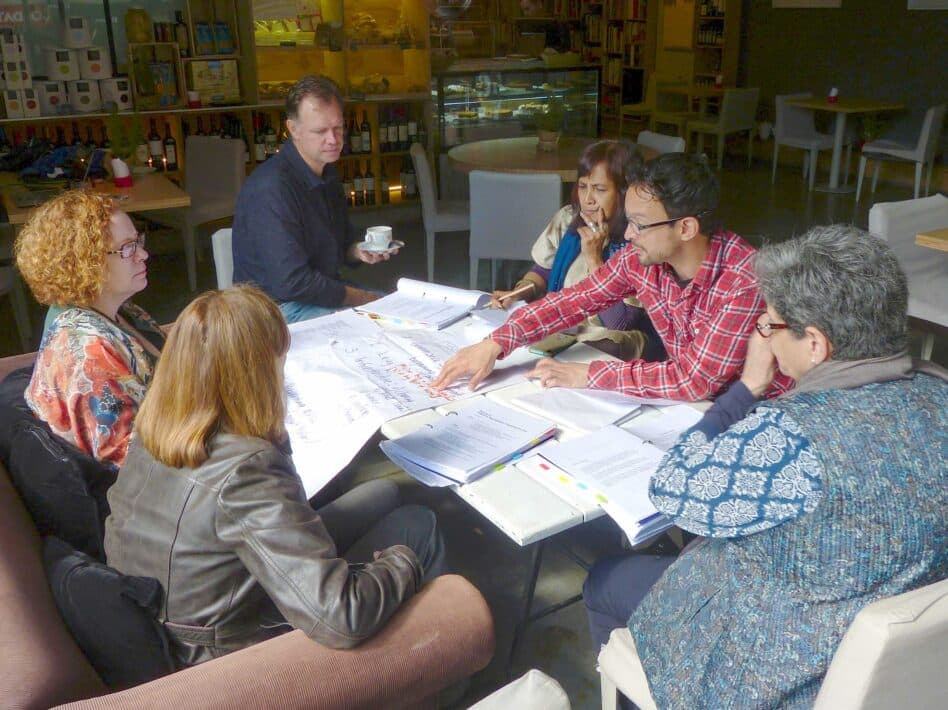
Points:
[[812, 360]]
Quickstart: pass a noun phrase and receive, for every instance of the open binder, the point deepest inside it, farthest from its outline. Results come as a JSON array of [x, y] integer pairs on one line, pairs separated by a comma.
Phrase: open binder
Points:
[[425, 305]]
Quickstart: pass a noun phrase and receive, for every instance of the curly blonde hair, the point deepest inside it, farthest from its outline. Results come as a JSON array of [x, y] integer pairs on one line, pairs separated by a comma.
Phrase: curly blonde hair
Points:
[[61, 250]]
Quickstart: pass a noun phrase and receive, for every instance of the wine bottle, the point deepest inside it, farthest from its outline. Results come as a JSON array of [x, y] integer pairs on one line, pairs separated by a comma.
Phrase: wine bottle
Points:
[[355, 135], [106, 143], [402, 131], [90, 140], [60, 136], [171, 149], [347, 186], [383, 186], [410, 186], [412, 129], [366, 133], [270, 139], [369, 184], [200, 127], [259, 149], [393, 132], [76, 139], [181, 34], [155, 149], [357, 187], [383, 131]]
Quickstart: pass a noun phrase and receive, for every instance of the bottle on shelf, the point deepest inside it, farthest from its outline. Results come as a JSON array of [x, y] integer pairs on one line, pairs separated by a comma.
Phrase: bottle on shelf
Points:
[[383, 186], [5, 148], [181, 34], [60, 135], [393, 131], [366, 133], [223, 132], [259, 148], [270, 140], [76, 138], [171, 150], [409, 185], [368, 182], [200, 127], [90, 139], [355, 135], [155, 149], [383, 131], [412, 128], [106, 143], [284, 131], [422, 135], [403, 130], [347, 186], [357, 187]]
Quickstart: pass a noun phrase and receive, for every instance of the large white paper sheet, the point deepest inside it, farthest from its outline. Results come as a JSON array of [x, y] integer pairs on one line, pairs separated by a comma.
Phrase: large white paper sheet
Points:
[[664, 428]]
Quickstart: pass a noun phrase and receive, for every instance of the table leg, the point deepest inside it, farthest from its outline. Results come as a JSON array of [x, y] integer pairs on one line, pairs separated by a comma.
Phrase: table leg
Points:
[[838, 137], [536, 560]]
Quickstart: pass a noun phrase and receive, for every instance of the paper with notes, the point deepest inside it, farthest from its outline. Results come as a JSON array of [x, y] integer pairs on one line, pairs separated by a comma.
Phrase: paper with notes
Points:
[[425, 305]]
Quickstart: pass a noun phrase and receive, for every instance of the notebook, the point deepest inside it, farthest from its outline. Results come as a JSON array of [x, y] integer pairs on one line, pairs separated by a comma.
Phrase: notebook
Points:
[[425, 305]]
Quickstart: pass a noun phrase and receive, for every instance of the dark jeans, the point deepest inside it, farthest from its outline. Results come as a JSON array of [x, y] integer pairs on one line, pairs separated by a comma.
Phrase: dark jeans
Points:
[[368, 518]]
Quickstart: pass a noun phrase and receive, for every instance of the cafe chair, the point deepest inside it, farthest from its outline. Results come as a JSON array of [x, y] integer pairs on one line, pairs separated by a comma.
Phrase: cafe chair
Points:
[[436, 215], [223, 257], [641, 111], [738, 114], [672, 108], [795, 127], [921, 153], [508, 213], [214, 174], [892, 656], [11, 284], [661, 142], [926, 269]]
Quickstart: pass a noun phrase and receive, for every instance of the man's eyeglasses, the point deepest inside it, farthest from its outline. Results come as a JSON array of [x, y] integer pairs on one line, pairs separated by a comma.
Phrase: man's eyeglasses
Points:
[[129, 249], [765, 329], [639, 228]]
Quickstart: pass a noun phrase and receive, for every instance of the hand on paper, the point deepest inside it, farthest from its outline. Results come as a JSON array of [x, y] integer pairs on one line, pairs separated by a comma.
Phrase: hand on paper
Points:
[[474, 360], [593, 238], [358, 297], [553, 373], [760, 366]]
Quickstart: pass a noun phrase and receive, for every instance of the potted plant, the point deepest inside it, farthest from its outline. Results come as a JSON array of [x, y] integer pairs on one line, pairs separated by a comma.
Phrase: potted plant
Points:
[[549, 122], [126, 135]]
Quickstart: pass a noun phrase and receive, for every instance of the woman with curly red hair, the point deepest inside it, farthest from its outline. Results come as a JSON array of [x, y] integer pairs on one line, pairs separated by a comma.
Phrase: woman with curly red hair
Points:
[[85, 259]]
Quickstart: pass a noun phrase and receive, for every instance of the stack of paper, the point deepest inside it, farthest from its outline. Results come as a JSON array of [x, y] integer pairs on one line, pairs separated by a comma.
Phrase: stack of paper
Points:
[[461, 447], [580, 409], [427, 305]]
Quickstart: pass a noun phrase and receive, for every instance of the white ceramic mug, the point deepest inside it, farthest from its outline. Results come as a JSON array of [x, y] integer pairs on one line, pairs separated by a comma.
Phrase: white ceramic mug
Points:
[[378, 237]]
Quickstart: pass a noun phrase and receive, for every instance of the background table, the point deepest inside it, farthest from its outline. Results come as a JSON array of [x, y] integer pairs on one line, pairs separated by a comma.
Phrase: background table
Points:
[[933, 239], [521, 155], [150, 192], [842, 108]]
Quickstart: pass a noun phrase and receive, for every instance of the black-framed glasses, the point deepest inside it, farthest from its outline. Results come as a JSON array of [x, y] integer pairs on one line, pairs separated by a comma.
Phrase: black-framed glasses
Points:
[[639, 228], [766, 329], [129, 249]]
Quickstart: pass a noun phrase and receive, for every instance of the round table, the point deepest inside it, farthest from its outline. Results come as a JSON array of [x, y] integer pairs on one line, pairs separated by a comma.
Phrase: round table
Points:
[[520, 155]]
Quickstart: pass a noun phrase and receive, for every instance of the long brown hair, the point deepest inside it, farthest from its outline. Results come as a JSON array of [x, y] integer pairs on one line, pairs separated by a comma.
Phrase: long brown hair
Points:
[[217, 373]]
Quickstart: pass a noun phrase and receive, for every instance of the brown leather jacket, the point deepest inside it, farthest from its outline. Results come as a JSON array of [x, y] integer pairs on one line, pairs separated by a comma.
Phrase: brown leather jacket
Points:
[[240, 552]]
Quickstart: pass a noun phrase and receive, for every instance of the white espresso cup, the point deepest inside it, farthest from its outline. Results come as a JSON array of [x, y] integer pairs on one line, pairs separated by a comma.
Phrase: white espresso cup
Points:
[[378, 237]]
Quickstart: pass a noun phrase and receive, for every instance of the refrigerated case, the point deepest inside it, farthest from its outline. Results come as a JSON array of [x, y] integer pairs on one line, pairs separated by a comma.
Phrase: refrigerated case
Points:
[[491, 99]]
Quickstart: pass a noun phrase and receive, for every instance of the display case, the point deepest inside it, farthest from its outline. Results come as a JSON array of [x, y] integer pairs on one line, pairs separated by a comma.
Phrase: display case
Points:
[[492, 99]]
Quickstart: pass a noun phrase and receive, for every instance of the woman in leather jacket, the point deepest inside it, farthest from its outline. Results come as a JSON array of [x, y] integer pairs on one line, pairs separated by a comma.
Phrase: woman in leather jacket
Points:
[[210, 504]]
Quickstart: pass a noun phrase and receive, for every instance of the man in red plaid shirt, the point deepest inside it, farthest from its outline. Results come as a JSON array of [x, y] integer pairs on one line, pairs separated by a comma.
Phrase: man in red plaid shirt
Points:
[[696, 285]]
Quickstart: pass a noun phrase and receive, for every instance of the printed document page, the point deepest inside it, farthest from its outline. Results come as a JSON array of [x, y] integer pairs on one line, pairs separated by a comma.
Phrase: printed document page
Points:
[[664, 427], [470, 443], [580, 409], [425, 304]]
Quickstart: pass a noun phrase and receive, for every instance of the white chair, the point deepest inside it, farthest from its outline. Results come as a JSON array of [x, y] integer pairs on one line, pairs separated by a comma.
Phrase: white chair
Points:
[[796, 128], [643, 109], [223, 257], [892, 656], [922, 153], [672, 108], [661, 142], [214, 174], [436, 215], [508, 212], [738, 114], [926, 269], [10, 283]]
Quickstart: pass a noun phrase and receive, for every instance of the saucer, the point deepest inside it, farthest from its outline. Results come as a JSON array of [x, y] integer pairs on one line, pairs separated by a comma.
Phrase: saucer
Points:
[[392, 246]]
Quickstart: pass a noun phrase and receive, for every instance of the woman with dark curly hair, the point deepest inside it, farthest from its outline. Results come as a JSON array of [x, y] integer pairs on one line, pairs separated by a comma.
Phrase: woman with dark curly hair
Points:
[[85, 260]]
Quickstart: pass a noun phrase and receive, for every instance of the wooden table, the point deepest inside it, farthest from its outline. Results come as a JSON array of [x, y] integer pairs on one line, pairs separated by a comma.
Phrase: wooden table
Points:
[[842, 108], [520, 155], [150, 192], [933, 239]]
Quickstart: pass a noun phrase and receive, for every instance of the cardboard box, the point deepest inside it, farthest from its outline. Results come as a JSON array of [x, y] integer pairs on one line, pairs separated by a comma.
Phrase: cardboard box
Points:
[[62, 64], [216, 80], [13, 103], [94, 63], [116, 91], [31, 103], [84, 96], [52, 96]]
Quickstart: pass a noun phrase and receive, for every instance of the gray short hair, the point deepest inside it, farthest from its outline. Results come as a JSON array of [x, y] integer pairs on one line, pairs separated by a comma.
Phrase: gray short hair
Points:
[[317, 86], [843, 281]]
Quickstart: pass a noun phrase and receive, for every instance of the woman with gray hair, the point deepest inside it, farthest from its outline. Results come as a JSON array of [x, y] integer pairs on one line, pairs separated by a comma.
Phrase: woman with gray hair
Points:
[[812, 505]]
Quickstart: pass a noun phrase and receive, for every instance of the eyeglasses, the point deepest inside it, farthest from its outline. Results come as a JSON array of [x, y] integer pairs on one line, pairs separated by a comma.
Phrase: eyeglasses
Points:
[[129, 249], [766, 329], [639, 228]]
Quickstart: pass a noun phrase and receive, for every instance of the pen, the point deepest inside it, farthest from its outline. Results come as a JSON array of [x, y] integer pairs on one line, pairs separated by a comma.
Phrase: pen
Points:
[[627, 417], [516, 292]]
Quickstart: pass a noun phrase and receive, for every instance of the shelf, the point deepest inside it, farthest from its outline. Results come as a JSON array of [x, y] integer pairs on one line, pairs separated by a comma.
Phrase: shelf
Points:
[[210, 57], [709, 46]]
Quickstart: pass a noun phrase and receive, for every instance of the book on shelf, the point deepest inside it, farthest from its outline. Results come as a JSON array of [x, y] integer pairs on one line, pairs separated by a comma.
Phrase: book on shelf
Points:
[[426, 305], [461, 447]]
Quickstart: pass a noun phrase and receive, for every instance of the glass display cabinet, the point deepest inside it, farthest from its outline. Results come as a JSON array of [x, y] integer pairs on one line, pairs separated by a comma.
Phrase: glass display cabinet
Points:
[[491, 99]]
